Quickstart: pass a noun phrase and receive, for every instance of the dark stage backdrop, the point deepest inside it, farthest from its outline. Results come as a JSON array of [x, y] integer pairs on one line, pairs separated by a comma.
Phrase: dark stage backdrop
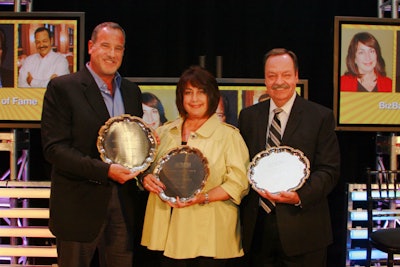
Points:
[[166, 36]]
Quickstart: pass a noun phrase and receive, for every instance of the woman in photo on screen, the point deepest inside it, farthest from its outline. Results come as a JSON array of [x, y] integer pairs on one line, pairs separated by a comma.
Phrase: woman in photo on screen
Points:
[[153, 110], [204, 230], [365, 66], [222, 108], [6, 74]]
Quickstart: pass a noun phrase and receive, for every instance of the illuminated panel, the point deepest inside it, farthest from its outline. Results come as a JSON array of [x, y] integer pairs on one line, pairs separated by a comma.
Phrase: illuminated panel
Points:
[[361, 254], [358, 233]]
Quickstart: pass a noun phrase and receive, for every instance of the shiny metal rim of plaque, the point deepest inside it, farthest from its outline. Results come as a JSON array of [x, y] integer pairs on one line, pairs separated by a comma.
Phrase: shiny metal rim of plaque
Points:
[[277, 169], [127, 140], [183, 171]]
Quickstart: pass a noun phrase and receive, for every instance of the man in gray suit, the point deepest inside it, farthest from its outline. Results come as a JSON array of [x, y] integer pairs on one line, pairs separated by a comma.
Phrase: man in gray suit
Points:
[[297, 231], [92, 203]]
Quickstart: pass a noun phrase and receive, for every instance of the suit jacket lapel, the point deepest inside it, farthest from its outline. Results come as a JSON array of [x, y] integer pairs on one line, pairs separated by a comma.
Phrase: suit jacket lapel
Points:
[[262, 117], [93, 96], [127, 96]]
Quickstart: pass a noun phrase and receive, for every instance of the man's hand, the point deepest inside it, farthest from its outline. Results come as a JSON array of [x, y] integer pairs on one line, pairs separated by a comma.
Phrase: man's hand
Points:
[[120, 174], [29, 78], [281, 197]]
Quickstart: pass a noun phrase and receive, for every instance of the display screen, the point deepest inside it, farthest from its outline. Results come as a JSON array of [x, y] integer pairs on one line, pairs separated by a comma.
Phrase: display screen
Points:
[[35, 47], [367, 74], [236, 94]]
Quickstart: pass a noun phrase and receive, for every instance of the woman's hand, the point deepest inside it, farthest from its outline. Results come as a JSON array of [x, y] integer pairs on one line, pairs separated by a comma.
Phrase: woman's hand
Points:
[[152, 184], [198, 199]]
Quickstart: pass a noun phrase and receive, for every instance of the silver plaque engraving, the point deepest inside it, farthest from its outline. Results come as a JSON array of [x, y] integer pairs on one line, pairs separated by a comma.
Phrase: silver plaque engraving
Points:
[[128, 141], [184, 171], [277, 169]]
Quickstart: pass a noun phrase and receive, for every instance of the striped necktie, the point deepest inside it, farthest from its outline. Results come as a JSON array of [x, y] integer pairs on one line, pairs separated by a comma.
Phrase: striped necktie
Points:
[[274, 136], [274, 139]]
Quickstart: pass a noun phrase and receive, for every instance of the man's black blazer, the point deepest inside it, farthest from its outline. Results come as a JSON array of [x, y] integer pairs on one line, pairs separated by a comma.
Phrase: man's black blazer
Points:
[[310, 128], [73, 112]]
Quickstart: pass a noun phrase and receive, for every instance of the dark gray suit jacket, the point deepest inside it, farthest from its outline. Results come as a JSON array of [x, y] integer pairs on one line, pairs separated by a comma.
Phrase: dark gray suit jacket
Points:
[[310, 128], [73, 112]]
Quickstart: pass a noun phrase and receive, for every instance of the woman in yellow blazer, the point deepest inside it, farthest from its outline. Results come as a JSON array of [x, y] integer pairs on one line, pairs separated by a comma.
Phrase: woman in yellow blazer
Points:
[[204, 231]]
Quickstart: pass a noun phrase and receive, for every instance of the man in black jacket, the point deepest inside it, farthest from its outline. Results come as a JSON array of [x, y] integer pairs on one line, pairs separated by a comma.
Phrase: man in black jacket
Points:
[[298, 230], [92, 203]]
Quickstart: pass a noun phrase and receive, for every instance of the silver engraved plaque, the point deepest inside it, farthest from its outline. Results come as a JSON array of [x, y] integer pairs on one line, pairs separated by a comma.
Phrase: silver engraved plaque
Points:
[[128, 141], [184, 171], [277, 169]]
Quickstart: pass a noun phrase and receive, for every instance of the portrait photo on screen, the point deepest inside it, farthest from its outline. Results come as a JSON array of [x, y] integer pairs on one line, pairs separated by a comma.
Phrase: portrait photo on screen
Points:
[[158, 104], [35, 48], [158, 97], [251, 97], [159, 101], [153, 110], [367, 60], [227, 109], [398, 63], [6, 55], [45, 51], [366, 70]]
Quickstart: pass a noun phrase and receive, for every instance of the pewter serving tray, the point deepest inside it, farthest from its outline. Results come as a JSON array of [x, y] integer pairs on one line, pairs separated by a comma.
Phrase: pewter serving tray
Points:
[[277, 169], [128, 141], [184, 171]]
